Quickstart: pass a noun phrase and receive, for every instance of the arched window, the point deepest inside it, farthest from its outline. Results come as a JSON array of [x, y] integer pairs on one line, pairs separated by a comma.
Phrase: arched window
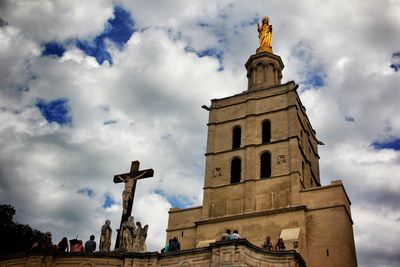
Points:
[[236, 170], [266, 132], [236, 136], [265, 165]]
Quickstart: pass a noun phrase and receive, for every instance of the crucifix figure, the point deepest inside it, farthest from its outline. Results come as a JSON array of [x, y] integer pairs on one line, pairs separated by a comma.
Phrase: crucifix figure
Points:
[[128, 195]]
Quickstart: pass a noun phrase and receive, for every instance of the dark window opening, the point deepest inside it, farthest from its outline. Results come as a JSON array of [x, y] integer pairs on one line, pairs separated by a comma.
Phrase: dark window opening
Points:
[[236, 136], [265, 163], [236, 170], [266, 132]]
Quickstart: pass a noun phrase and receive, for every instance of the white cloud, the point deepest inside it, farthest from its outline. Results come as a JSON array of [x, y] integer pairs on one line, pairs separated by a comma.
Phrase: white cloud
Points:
[[57, 20], [153, 92]]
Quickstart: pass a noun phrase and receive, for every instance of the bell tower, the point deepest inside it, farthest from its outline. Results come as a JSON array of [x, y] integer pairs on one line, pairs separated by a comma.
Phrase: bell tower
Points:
[[261, 148], [263, 70], [262, 172]]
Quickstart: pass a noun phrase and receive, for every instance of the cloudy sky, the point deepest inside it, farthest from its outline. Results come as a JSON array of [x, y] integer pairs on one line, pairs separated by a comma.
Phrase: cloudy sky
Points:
[[88, 86]]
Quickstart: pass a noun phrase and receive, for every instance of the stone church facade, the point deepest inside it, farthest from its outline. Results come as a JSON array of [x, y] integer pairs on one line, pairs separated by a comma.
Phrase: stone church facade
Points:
[[262, 175]]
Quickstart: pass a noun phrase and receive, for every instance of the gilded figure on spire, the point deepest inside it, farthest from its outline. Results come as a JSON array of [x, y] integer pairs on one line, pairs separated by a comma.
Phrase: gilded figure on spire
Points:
[[264, 35]]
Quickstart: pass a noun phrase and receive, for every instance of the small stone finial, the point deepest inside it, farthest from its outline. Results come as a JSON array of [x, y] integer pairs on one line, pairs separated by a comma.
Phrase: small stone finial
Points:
[[264, 35]]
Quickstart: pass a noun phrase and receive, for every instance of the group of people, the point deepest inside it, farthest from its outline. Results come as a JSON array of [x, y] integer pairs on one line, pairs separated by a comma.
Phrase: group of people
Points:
[[228, 235], [267, 245], [64, 246], [173, 245]]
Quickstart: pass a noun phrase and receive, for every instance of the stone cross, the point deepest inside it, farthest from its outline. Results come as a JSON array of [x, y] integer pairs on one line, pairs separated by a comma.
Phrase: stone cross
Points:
[[128, 195]]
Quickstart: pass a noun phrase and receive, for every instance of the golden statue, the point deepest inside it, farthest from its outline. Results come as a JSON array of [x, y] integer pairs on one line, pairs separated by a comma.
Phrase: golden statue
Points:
[[265, 35]]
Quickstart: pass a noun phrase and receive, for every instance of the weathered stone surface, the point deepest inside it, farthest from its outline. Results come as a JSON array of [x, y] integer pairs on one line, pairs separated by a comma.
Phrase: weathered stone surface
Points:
[[226, 253]]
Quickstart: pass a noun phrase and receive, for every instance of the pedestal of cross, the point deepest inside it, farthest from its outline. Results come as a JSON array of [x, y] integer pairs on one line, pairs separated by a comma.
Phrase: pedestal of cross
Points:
[[128, 195]]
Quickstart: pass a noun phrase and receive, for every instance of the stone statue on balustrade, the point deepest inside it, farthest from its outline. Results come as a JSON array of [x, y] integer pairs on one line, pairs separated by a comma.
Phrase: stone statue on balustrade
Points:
[[139, 238], [133, 237], [105, 237], [126, 233]]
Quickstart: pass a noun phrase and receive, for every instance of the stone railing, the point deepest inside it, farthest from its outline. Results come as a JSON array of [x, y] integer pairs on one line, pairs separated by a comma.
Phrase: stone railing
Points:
[[222, 253]]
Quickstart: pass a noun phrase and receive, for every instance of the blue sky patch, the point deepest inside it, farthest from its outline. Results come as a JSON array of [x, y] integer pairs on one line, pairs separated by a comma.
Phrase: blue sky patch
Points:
[[121, 27], [176, 201], [394, 143], [395, 67], [86, 191], [96, 49], [212, 52], [395, 61], [108, 201], [53, 49], [312, 71], [118, 30], [303, 51], [314, 79], [55, 111]]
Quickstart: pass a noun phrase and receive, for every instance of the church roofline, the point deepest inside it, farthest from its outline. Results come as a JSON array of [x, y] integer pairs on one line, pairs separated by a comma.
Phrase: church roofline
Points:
[[332, 184], [172, 210]]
